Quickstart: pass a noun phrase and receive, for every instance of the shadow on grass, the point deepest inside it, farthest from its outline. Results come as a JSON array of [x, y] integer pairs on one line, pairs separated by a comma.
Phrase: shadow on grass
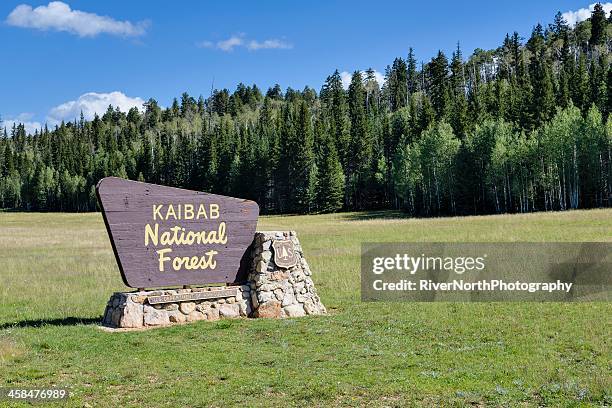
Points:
[[376, 215], [66, 321]]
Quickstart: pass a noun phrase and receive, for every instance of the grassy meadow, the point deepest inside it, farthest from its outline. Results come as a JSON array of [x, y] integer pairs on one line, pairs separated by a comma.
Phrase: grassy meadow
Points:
[[58, 271]]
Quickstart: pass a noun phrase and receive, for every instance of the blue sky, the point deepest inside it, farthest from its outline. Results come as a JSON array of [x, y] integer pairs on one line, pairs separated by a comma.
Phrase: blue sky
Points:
[[61, 58]]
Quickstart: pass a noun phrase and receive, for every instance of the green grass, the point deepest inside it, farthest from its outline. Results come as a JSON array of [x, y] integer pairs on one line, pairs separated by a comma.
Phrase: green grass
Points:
[[58, 271]]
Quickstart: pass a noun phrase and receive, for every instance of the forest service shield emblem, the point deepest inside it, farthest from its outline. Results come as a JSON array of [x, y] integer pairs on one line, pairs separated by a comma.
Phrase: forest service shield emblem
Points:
[[284, 253]]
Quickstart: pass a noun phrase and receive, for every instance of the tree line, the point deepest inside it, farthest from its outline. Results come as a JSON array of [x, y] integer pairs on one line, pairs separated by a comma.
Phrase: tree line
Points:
[[524, 127]]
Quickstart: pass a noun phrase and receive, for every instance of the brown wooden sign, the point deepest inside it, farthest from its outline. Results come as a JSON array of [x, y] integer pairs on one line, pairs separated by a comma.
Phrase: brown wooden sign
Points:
[[165, 236]]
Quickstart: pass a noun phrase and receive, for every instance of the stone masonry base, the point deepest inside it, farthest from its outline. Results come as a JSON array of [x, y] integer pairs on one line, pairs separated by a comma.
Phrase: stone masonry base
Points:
[[269, 292]]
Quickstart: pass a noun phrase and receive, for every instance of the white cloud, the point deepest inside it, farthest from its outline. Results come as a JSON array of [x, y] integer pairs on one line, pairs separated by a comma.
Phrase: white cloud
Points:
[[573, 17], [380, 78], [23, 118], [269, 45], [92, 103], [346, 78], [239, 41], [230, 43], [59, 16]]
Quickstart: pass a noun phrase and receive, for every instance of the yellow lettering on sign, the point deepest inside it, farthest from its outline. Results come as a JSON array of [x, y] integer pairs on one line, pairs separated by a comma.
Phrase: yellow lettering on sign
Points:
[[201, 212], [163, 258], [207, 261], [150, 234], [185, 211], [170, 211], [214, 211], [188, 212], [157, 211], [177, 235]]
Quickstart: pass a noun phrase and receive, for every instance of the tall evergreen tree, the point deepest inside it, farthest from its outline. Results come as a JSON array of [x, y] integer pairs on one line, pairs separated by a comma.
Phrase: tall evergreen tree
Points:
[[397, 84], [543, 102], [579, 85], [458, 114], [360, 145], [439, 84], [334, 99], [304, 173], [411, 72], [598, 26], [330, 189]]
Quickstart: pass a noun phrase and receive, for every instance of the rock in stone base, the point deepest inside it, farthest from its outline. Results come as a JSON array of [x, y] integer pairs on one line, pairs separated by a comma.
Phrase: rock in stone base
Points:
[[187, 307], [195, 316], [229, 310], [176, 317], [271, 309], [212, 314], [155, 317], [296, 310], [133, 315]]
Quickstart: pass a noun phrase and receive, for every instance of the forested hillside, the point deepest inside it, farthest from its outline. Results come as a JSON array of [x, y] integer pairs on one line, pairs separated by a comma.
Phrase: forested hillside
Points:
[[524, 127]]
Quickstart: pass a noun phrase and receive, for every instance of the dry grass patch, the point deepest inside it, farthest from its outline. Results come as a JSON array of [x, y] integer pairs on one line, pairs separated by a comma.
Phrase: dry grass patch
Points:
[[10, 350]]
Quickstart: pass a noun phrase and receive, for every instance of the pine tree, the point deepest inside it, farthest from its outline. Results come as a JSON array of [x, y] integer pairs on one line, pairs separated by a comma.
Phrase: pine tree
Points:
[[294, 178], [458, 114], [439, 84], [522, 110], [330, 190], [275, 92], [563, 93], [536, 41], [515, 50], [608, 92], [598, 83], [412, 75], [565, 72], [211, 173], [146, 166], [175, 110], [397, 84], [598, 26], [372, 89], [360, 144], [333, 97], [303, 172], [426, 115], [559, 27], [579, 85], [543, 102]]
